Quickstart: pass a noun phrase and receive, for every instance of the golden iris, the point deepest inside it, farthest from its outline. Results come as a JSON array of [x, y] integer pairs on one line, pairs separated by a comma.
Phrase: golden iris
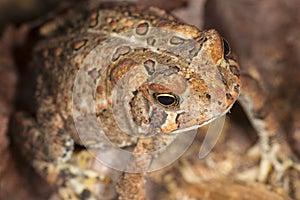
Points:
[[167, 100]]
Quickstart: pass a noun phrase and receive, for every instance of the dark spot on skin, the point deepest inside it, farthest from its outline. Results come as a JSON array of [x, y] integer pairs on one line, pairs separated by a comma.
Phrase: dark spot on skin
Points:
[[175, 67], [220, 103], [78, 45], [121, 51], [177, 120], [235, 70], [142, 28], [151, 41], [93, 21], [135, 92], [95, 74], [224, 80], [175, 40], [229, 96], [85, 194], [237, 88], [149, 66], [208, 96], [101, 113]]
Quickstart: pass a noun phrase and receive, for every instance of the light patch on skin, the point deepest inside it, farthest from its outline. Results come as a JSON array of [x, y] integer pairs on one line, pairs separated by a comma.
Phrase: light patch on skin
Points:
[[171, 123], [132, 39]]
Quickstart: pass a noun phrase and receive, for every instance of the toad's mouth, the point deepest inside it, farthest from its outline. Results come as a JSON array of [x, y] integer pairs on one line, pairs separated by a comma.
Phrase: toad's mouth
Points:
[[186, 129]]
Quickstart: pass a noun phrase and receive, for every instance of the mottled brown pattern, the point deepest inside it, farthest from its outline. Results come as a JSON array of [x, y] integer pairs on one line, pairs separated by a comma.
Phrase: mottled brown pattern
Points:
[[161, 57]]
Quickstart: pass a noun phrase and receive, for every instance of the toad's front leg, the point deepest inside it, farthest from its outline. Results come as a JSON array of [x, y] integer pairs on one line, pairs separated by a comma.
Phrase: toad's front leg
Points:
[[274, 150], [52, 156], [132, 186]]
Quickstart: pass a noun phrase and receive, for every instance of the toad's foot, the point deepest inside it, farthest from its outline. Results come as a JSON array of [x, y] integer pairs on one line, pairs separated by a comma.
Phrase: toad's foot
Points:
[[272, 159], [73, 182]]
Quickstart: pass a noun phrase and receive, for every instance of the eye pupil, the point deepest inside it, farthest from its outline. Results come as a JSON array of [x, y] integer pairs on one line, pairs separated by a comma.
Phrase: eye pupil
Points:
[[166, 100], [226, 47]]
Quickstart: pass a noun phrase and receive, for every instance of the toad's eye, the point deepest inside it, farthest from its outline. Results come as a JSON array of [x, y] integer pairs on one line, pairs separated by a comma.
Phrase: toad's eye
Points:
[[226, 48], [167, 100]]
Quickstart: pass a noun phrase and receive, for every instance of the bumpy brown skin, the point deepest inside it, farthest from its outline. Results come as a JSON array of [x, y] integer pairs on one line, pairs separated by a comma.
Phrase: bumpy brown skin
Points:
[[193, 66]]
